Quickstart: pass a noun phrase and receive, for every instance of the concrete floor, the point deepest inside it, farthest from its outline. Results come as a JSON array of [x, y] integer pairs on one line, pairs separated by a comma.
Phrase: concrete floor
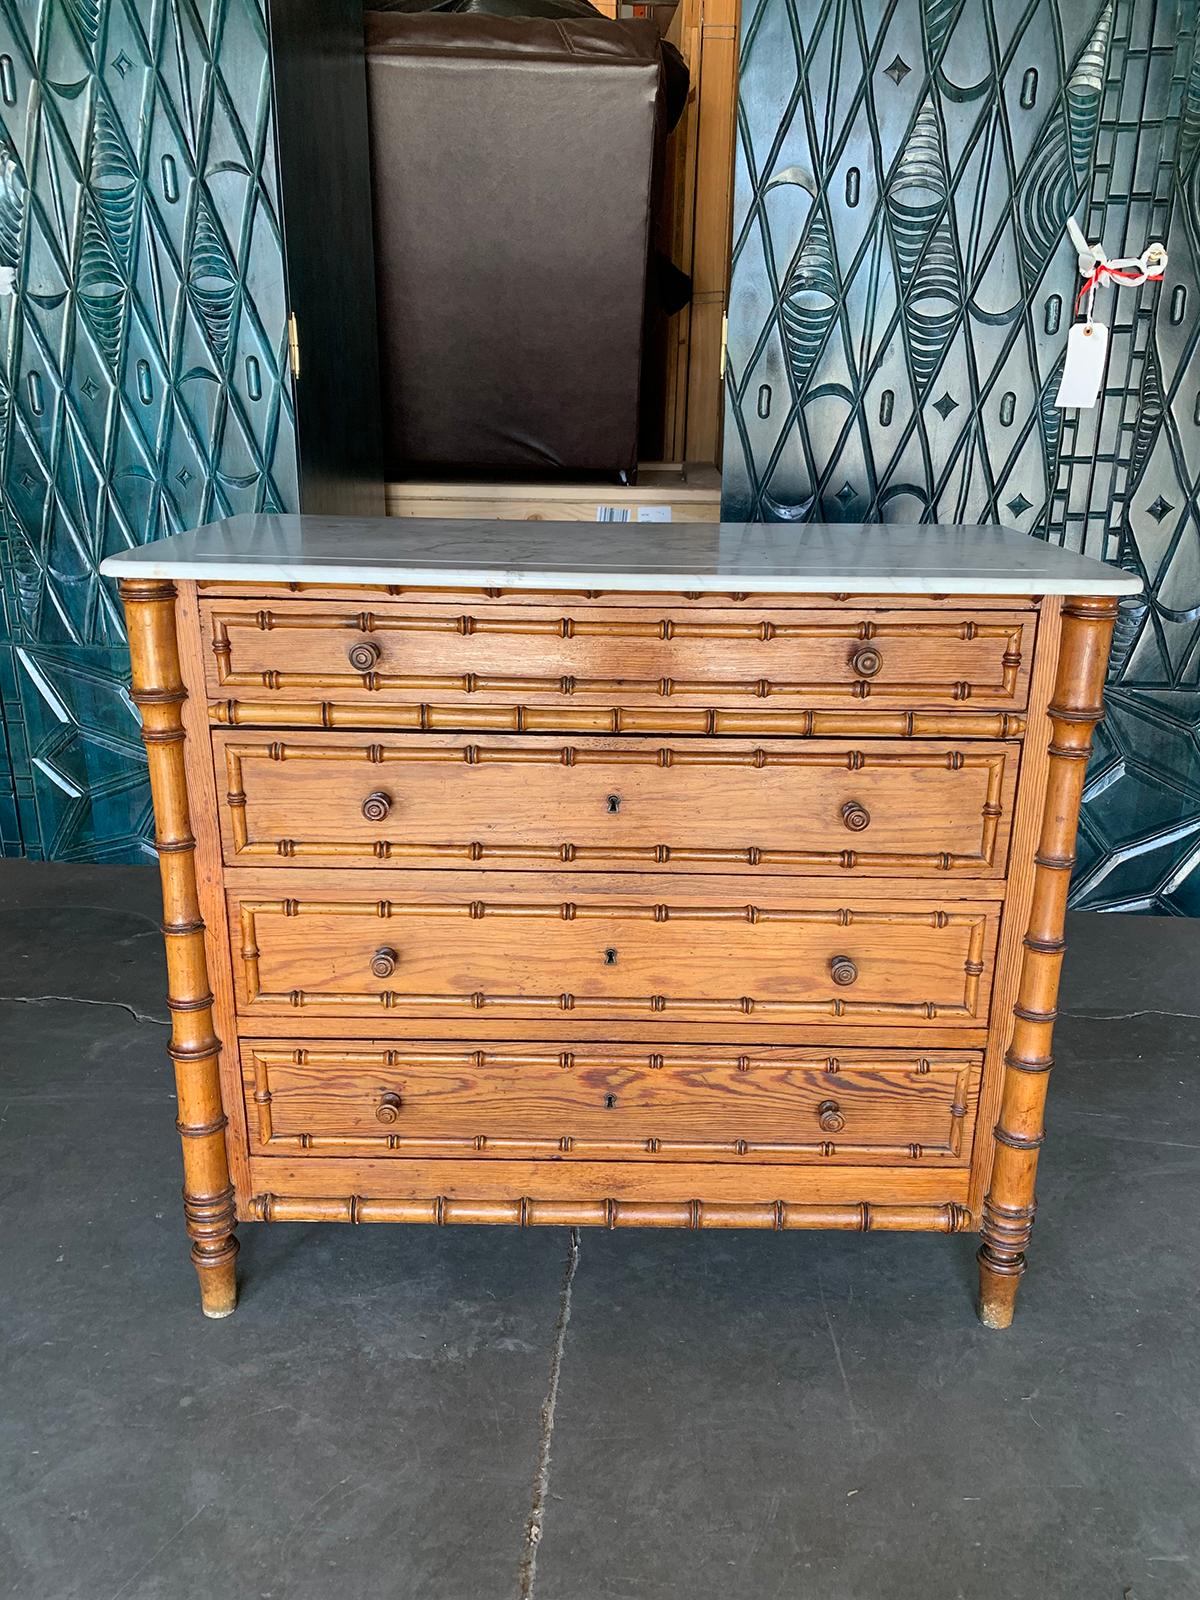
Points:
[[392, 1411]]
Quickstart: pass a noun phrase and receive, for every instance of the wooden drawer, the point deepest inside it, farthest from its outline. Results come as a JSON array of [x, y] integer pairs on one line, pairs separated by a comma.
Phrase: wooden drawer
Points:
[[445, 944], [612, 656], [611, 1102], [719, 805]]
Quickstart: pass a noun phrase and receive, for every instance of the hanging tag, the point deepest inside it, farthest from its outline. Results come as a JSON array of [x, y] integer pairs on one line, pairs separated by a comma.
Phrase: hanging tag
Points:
[[1083, 370]]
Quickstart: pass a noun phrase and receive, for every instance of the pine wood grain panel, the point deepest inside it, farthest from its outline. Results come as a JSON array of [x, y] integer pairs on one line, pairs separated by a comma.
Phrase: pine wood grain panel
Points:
[[600, 804], [937, 658], [477, 950], [700, 189], [710, 263], [425, 1178], [609, 1102]]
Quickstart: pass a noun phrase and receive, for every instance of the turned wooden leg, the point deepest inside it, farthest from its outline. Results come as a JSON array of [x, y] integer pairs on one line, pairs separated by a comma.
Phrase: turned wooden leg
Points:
[[158, 692], [1008, 1209]]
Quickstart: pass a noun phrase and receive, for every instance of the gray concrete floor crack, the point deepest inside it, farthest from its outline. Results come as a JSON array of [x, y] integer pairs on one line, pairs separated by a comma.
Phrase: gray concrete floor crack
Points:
[[541, 1476], [1129, 1016], [79, 1000]]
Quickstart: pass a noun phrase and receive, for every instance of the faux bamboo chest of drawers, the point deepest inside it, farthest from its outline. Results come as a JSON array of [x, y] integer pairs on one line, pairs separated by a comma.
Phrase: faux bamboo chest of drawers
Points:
[[692, 876]]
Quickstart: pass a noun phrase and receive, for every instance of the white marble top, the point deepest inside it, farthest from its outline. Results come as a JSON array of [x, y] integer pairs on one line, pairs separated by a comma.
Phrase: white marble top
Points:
[[764, 557]]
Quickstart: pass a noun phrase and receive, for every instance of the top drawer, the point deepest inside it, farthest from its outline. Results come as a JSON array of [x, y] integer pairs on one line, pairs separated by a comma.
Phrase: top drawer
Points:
[[614, 656]]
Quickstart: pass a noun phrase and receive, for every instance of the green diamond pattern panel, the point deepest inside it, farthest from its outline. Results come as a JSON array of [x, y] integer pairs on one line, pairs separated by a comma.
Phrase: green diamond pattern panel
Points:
[[144, 385], [902, 288]]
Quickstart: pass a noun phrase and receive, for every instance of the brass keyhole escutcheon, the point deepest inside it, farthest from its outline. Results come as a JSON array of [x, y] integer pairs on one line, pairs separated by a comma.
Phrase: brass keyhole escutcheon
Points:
[[842, 970], [388, 1108], [866, 662], [830, 1116], [855, 816], [383, 962], [610, 957], [610, 1102], [362, 657], [377, 805], [613, 804]]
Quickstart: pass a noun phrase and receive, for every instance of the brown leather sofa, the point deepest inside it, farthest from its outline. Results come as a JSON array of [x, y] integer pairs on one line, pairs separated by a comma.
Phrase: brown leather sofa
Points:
[[513, 170]]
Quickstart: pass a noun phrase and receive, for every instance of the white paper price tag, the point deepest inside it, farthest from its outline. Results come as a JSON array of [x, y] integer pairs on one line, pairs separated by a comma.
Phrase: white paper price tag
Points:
[[1083, 370]]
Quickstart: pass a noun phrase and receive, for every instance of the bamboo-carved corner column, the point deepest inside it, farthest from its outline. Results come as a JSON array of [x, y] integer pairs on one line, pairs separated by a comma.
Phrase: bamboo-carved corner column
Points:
[[1075, 708], [158, 693]]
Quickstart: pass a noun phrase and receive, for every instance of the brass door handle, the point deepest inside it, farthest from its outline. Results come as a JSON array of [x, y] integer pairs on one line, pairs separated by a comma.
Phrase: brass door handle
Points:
[[855, 816], [384, 961], [377, 805], [842, 970], [866, 662], [362, 657]]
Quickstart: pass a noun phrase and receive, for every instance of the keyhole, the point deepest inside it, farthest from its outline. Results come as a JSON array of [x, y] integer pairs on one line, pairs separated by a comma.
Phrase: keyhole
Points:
[[614, 804], [610, 957], [610, 1102]]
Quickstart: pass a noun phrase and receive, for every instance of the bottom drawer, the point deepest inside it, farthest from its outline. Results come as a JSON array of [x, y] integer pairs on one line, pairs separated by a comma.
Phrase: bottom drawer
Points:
[[611, 1102]]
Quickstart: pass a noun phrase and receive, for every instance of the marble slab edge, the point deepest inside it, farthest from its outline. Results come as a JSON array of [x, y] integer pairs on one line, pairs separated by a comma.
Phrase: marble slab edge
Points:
[[704, 558]]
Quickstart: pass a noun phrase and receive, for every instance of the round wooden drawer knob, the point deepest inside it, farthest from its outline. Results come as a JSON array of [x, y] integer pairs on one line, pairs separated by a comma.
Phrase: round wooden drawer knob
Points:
[[388, 1108], [855, 817], [378, 803], [866, 662], [842, 970], [830, 1116], [363, 656], [383, 962]]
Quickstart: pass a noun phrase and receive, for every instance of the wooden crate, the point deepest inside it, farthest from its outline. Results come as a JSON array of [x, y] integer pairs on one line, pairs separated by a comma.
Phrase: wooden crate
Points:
[[689, 492]]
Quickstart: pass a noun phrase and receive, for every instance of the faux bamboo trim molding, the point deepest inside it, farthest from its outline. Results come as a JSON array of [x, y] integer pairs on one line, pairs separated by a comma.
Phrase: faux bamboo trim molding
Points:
[[523, 1212], [710, 721], [464, 626], [1075, 708], [208, 1196]]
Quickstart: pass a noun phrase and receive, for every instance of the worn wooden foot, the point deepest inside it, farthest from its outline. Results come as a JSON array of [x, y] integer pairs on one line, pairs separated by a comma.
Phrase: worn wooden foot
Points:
[[208, 1199], [218, 1284], [1008, 1209], [1005, 1231], [997, 1297], [210, 1222]]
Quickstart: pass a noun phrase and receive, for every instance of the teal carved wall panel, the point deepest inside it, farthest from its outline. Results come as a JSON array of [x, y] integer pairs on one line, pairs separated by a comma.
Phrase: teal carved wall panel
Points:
[[144, 381], [902, 287]]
